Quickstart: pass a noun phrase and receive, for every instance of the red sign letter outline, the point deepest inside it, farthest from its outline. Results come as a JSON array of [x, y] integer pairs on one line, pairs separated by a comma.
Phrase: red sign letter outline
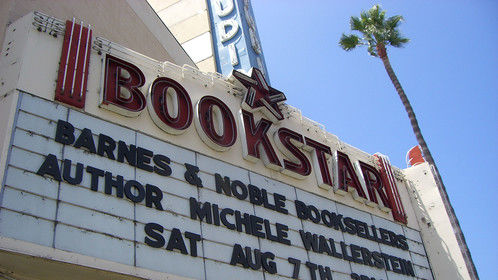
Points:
[[260, 95], [168, 95], [73, 67], [215, 123], [289, 143], [121, 92], [256, 143]]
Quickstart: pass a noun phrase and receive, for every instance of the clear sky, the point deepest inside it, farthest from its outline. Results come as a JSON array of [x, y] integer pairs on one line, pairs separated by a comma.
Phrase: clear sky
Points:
[[449, 71]]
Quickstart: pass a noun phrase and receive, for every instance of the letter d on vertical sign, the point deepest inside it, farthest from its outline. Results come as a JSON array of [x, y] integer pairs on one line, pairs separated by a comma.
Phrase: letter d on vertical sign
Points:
[[120, 92]]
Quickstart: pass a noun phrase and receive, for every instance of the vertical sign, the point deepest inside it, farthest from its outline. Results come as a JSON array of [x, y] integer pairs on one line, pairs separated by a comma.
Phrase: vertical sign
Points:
[[235, 38], [73, 67]]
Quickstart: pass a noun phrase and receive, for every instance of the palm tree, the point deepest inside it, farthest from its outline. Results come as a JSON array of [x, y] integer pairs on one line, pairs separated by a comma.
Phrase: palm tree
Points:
[[378, 32]]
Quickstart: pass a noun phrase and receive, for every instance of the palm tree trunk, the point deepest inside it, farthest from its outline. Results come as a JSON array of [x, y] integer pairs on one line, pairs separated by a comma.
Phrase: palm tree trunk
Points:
[[408, 107], [381, 51]]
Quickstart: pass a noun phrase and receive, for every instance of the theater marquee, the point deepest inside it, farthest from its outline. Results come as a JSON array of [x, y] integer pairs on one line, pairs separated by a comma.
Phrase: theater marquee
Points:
[[148, 164]]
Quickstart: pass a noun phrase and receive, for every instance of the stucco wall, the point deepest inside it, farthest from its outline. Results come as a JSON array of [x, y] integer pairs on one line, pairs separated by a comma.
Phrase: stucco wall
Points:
[[189, 22], [136, 27], [438, 235]]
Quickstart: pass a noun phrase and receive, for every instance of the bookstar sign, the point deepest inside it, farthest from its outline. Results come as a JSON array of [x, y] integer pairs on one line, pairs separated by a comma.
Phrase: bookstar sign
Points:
[[170, 107], [144, 201]]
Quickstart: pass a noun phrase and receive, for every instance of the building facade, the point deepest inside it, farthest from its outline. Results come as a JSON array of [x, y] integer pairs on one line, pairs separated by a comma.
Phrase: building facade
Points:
[[144, 141]]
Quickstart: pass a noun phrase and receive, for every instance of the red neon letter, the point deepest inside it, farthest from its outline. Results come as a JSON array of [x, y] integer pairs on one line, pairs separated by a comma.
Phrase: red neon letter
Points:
[[256, 140], [211, 113], [121, 83], [374, 184], [288, 142], [389, 181], [73, 67], [167, 94], [347, 175], [319, 158]]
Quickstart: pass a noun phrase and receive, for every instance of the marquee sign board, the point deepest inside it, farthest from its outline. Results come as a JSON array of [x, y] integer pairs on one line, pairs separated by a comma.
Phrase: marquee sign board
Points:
[[213, 199]]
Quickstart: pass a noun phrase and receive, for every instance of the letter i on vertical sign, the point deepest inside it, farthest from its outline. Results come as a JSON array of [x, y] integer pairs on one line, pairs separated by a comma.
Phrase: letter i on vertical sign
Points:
[[73, 67]]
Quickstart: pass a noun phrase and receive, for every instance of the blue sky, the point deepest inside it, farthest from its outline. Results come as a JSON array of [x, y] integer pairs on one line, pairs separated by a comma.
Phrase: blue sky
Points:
[[448, 70]]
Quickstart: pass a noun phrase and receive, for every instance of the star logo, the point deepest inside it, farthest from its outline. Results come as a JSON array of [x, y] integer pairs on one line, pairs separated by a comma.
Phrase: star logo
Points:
[[260, 95]]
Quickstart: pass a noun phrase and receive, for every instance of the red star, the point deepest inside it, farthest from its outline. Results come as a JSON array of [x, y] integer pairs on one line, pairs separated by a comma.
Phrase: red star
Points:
[[260, 95]]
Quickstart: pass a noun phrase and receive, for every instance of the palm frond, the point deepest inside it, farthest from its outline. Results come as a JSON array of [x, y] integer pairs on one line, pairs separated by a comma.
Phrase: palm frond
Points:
[[374, 11], [380, 36], [376, 29], [372, 50], [349, 42], [377, 16], [397, 41], [356, 24], [394, 21], [365, 18]]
